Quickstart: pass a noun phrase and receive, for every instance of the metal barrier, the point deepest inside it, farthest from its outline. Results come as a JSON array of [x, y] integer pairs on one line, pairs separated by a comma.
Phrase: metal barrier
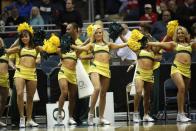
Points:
[[53, 27]]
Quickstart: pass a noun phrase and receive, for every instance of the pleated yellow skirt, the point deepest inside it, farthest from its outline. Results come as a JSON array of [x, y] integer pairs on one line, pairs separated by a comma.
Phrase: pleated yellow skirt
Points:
[[100, 68], [183, 69], [69, 75]]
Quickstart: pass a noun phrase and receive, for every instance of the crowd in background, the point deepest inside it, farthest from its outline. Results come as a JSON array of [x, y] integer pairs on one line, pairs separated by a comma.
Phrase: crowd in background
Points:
[[62, 13], [43, 12]]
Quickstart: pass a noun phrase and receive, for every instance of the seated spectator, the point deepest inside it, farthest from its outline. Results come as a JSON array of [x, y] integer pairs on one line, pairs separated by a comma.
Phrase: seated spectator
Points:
[[14, 19], [193, 31], [148, 15], [186, 14], [130, 8], [2, 26], [23, 6], [172, 6], [69, 14], [46, 9], [159, 28], [163, 7], [35, 17]]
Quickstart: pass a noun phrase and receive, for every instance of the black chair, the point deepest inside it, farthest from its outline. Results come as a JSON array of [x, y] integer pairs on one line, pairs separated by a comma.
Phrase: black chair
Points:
[[39, 109], [170, 97], [47, 66], [54, 85]]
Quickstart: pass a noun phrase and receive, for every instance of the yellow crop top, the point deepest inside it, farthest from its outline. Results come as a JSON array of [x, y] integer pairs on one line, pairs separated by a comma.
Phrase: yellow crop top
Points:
[[184, 49], [69, 55], [146, 54], [101, 48], [4, 58], [28, 52]]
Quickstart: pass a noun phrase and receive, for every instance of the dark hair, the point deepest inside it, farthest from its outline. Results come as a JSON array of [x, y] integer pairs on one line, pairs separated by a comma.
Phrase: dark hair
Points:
[[75, 26], [146, 27], [73, 2], [31, 44]]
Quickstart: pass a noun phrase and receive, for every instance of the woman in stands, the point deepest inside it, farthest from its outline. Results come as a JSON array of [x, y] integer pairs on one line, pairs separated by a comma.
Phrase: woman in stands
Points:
[[4, 79], [25, 74], [99, 71], [180, 70]]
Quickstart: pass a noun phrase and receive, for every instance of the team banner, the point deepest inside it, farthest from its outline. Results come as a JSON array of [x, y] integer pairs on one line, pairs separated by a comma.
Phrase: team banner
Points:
[[85, 87]]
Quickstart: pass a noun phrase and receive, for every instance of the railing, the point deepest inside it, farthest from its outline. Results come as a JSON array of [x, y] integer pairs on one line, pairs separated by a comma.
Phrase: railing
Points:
[[54, 28]]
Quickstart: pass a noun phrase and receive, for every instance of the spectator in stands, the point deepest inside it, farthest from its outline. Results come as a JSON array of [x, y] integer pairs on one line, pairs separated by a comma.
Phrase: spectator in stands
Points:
[[149, 15], [186, 14], [159, 28], [125, 53], [46, 8], [103, 8], [35, 17], [4, 80], [131, 9], [180, 70], [193, 30], [23, 6], [172, 6], [163, 7], [4, 15], [2, 26], [69, 15], [99, 71], [14, 19]]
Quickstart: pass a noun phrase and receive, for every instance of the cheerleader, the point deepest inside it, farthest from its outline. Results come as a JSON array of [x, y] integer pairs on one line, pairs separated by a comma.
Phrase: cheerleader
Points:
[[180, 69], [99, 70]]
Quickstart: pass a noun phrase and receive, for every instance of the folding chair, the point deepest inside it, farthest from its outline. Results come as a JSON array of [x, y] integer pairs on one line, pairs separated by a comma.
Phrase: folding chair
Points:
[[130, 100], [170, 97], [130, 92]]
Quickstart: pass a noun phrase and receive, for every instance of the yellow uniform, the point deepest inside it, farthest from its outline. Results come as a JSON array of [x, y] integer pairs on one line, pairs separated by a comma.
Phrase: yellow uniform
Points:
[[69, 75], [181, 68], [4, 78], [86, 63], [16, 57], [100, 67], [26, 72], [143, 74]]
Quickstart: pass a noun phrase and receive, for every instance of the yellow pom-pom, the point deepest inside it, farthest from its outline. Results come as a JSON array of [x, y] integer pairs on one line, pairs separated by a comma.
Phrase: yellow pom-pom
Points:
[[55, 40], [25, 26], [136, 35], [89, 30], [133, 45], [49, 47], [171, 27]]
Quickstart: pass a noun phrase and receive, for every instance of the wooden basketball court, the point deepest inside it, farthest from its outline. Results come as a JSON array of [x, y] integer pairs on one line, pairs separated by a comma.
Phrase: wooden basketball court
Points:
[[119, 126]]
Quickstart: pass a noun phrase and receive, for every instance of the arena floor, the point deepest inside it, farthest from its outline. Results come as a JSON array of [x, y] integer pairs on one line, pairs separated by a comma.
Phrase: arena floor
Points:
[[120, 126]]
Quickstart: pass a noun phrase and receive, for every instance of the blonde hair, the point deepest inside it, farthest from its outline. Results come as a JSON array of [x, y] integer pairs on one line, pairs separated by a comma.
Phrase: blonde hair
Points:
[[184, 30], [95, 28], [36, 9]]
